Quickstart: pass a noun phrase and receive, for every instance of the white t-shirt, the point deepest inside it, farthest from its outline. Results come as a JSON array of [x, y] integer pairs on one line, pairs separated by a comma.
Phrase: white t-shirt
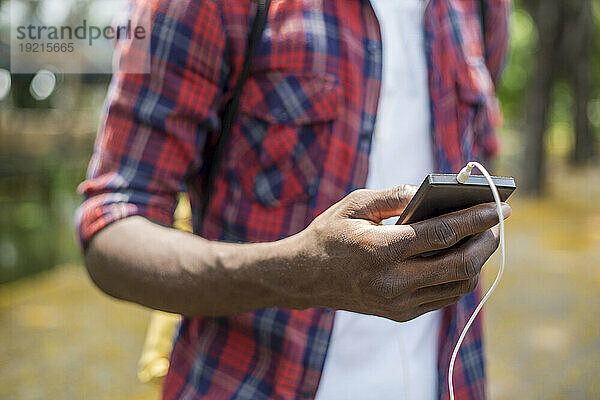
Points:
[[371, 357]]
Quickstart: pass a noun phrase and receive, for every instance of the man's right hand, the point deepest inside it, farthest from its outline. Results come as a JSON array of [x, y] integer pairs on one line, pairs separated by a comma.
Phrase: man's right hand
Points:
[[343, 260], [366, 267]]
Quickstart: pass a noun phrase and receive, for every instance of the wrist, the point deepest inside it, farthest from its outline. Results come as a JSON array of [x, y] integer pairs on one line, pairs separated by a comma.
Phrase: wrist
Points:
[[286, 273], [311, 283]]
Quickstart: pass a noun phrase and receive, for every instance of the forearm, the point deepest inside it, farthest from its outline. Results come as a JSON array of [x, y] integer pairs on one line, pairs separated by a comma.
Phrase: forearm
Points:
[[137, 260]]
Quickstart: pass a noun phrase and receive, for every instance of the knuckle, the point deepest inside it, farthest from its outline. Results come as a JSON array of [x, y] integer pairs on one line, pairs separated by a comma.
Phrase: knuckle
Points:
[[319, 227], [476, 220], [353, 198], [390, 286], [444, 303], [473, 283], [471, 265], [490, 243], [382, 289], [361, 196], [416, 300], [442, 233], [453, 300], [402, 190], [469, 285], [462, 288], [392, 201], [424, 309], [401, 194], [356, 203], [394, 245]]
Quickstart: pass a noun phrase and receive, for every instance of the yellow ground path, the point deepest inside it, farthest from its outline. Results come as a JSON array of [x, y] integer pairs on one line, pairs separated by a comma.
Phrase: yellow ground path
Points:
[[62, 339]]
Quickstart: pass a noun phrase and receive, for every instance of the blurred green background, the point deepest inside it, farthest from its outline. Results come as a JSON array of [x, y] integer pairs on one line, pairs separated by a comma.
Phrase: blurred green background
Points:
[[60, 338]]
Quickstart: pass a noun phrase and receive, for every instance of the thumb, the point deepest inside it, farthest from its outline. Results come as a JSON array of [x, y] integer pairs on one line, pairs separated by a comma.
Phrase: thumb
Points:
[[377, 205]]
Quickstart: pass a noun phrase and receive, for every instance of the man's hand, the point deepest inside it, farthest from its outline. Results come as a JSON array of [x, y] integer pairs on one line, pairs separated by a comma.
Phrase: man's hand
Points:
[[377, 269], [344, 260]]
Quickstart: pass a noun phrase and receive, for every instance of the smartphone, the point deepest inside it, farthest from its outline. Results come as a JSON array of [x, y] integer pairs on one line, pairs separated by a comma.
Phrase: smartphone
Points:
[[442, 193]]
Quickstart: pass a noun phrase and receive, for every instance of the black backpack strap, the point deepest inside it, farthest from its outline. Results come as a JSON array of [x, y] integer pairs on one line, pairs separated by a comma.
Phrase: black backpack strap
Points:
[[231, 109]]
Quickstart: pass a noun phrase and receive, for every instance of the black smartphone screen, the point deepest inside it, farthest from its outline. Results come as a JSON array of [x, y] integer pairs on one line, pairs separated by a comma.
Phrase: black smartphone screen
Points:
[[442, 193]]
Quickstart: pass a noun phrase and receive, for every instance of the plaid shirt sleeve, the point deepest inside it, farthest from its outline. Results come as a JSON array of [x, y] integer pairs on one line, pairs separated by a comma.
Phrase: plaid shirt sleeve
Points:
[[497, 17], [154, 126]]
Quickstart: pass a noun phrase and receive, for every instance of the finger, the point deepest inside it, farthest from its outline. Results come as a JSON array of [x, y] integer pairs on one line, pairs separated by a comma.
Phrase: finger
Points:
[[377, 205], [445, 290], [447, 230], [436, 305], [444, 275], [428, 307], [459, 264]]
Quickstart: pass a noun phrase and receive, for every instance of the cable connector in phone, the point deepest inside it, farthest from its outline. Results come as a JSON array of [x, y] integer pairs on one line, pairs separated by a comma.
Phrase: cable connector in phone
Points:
[[465, 173]]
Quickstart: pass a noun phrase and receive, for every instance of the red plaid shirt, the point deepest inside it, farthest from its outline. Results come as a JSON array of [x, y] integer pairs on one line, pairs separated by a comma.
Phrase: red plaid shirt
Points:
[[301, 142]]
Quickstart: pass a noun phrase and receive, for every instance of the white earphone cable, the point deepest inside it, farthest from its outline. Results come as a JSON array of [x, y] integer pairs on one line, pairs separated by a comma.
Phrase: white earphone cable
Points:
[[462, 177]]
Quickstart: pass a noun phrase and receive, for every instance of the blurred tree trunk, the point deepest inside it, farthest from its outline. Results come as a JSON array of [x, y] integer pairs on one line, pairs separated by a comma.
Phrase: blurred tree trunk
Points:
[[577, 48], [565, 38], [545, 14], [585, 141]]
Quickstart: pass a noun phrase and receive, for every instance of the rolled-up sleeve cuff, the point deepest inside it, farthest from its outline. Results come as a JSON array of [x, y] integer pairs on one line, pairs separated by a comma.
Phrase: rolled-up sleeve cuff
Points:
[[101, 210]]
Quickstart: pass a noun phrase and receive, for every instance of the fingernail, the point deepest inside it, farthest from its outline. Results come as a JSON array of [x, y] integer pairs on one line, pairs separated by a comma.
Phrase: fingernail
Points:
[[506, 210]]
